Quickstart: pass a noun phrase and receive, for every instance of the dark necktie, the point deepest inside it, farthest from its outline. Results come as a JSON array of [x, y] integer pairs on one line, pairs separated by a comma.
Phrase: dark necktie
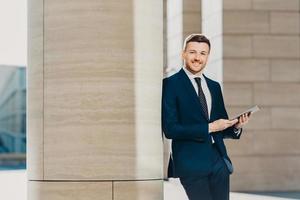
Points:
[[202, 97]]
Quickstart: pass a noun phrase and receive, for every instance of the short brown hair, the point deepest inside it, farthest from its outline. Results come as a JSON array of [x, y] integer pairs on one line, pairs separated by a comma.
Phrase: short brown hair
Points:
[[196, 37]]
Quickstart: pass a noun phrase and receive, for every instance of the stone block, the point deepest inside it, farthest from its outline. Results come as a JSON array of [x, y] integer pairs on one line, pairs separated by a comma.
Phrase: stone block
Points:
[[237, 46], [191, 6], [265, 142], [98, 113], [69, 190], [276, 46], [286, 118], [237, 5], [266, 173], [238, 94], [276, 5], [246, 70], [285, 70], [243, 146], [277, 94], [192, 22], [246, 22], [136, 190], [276, 142], [285, 22]]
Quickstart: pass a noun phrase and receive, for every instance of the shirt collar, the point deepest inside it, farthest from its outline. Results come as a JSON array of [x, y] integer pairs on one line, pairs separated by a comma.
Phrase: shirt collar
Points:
[[192, 76]]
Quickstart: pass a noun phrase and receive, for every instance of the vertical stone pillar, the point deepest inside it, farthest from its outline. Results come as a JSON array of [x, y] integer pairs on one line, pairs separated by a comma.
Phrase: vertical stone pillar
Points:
[[94, 95], [174, 36], [212, 17], [183, 18]]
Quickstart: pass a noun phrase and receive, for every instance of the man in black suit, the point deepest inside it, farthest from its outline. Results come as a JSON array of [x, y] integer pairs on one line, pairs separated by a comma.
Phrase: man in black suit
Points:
[[195, 118]]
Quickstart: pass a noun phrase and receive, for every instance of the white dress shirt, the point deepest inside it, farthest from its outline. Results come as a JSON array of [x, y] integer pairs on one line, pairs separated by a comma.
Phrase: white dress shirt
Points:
[[203, 85]]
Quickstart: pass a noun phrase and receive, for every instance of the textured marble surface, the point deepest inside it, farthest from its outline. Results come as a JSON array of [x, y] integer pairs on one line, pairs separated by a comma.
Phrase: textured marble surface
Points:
[[35, 92], [95, 90]]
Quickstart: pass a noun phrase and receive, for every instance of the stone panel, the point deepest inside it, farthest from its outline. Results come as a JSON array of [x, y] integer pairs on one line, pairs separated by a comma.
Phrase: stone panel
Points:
[[264, 142], [191, 23], [237, 46], [191, 6], [277, 94], [286, 118], [82, 125], [69, 190], [266, 173], [246, 70], [97, 114], [136, 190], [285, 22], [276, 46], [243, 146], [246, 22], [238, 94], [286, 70], [237, 5], [290, 5]]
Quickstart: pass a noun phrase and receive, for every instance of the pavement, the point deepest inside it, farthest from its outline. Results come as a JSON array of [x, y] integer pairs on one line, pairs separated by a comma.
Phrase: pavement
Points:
[[174, 191], [13, 186]]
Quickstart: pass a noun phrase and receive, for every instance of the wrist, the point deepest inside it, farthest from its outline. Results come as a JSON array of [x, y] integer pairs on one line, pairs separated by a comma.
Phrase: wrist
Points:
[[211, 128]]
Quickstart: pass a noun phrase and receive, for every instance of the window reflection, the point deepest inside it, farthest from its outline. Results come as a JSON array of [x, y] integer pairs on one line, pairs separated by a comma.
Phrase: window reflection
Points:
[[12, 117]]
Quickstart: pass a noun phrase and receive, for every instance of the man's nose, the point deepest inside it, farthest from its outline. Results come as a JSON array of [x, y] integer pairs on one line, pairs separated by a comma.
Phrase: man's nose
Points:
[[197, 57]]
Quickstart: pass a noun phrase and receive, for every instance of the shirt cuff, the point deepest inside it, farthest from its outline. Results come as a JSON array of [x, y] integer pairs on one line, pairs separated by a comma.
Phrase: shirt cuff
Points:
[[237, 131]]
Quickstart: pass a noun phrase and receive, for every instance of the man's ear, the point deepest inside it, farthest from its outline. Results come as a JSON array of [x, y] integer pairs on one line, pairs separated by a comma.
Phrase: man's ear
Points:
[[183, 55]]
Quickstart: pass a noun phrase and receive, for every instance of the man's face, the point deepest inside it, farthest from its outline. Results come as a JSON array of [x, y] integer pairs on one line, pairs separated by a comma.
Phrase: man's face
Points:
[[195, 56]]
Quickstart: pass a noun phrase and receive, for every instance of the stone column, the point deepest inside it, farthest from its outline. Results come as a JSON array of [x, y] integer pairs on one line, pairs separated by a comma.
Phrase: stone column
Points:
[[183, 18], [94, 96], [212, 16]]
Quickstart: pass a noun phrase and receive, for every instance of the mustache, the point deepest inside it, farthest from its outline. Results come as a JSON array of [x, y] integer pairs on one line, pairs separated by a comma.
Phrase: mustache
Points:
[[196, 61]]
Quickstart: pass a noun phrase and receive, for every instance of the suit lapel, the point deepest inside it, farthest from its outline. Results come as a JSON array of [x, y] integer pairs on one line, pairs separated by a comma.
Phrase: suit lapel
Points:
[[190, 89]]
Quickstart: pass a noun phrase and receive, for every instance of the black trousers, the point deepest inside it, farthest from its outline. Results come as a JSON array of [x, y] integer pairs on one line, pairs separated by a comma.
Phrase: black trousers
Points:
[[215, 186]]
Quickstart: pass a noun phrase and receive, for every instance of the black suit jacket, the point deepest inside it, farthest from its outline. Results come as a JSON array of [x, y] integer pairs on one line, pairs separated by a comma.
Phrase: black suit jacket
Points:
[[184, 121]]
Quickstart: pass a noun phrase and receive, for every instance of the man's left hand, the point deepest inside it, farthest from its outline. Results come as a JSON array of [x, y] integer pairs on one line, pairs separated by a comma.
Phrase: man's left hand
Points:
[[243, 119]]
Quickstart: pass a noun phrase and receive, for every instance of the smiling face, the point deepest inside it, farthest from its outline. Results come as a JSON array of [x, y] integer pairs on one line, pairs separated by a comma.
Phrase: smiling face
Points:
[[195, 56]]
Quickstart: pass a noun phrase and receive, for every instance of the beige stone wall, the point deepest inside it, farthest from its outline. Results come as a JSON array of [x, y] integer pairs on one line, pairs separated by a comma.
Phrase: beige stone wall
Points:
[[94, 96], [262, 66]]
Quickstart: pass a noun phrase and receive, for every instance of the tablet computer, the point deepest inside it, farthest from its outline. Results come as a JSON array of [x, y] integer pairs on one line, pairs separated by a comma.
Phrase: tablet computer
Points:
[[249, 111]]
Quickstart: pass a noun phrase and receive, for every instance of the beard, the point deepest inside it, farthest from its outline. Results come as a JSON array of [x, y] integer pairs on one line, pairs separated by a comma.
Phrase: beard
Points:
[[195, 66]]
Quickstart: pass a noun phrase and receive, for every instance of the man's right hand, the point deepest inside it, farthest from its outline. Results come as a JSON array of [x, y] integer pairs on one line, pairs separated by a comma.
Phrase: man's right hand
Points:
[[220, 125]]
